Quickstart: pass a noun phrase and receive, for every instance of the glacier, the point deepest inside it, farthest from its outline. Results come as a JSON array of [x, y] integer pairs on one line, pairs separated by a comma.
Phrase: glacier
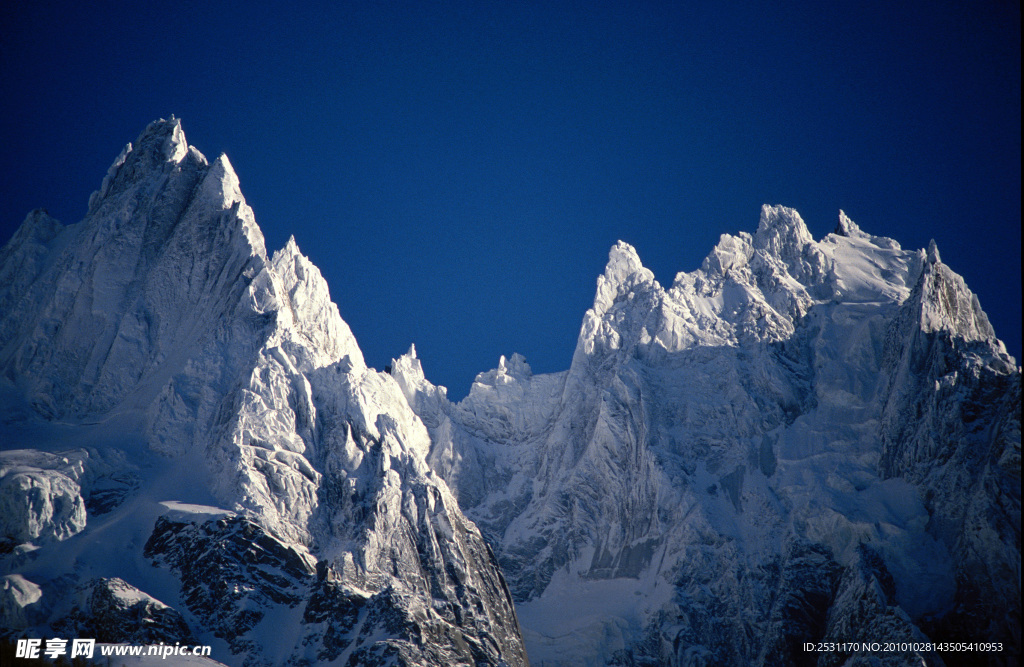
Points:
[[799, 441]]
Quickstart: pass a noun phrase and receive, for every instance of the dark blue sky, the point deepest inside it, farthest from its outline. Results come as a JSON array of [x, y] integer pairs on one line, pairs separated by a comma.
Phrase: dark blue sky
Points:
[[458, 171]]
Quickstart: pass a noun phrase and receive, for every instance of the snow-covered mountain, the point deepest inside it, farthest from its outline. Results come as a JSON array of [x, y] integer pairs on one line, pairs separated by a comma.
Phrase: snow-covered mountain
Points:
[[800, 441], [190, 420]]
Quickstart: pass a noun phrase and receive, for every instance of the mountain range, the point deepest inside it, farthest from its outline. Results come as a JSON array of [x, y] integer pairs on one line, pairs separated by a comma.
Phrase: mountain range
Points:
[[798, 445]]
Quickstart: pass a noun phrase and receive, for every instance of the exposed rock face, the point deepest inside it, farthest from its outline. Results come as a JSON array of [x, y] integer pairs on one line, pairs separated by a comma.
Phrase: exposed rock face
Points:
[[231, 573], [113, 611], [242, 442]]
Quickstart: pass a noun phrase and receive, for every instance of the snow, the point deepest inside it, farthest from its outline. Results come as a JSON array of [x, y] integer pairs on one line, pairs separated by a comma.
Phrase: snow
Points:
[[870, 269], [705, 437], [206, 383], [180, 511], [745, 402], [577, 613]]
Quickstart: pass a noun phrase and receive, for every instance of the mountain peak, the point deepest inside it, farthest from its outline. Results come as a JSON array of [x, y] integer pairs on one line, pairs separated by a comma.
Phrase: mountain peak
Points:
[[291, 247], [310, 310], [845, 226], [623, 253], [39, 227], [948, 305], [222, 182], [515, 366], [779, 229], [730, 252], [782, 234], [165, 138], [160, 148], [622, 273]]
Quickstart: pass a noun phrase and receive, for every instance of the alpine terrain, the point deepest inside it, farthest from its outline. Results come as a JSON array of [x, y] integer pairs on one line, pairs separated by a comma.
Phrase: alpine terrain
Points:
[[801, 453]]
